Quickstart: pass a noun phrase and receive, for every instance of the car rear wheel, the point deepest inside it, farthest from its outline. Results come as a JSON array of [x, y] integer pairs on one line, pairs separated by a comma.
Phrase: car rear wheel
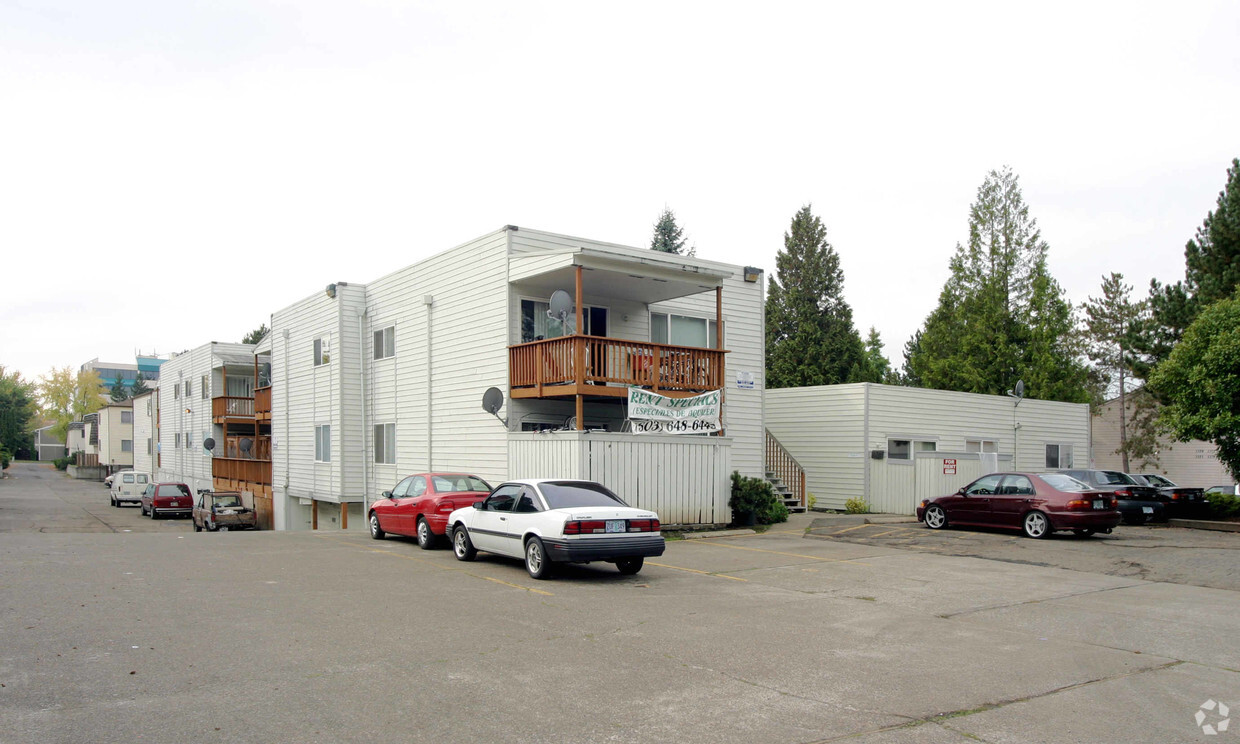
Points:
[[154, 513], [462, 546], [426, 538], [536, 559], [1036, 525], [375, 530], [630, 566], [935, 518]]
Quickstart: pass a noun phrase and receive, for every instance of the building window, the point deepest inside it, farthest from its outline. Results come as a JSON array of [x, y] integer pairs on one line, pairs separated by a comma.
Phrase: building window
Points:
[[1059, 456], [148, 406], [126, 417], [927, 447], [385, 343], [682, 330], [176, 390], [536, 325], [205, 387], [126, 445], [188, 443], [981, 445], [385, 443], [323, 443], [176, 442], [150, 446], [322, 351], [899, 449], [188, 389]]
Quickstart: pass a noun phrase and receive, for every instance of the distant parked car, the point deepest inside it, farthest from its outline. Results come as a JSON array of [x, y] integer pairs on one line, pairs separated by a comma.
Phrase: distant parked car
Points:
[[557, 521], [1223, 490], [1038, 504], [127, 487], [223, 511], [108, 481], [1137, 503], [420, 504], [167, 498], [1179, 501]]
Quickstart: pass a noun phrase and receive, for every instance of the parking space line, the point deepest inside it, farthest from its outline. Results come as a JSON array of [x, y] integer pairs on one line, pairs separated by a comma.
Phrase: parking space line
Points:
[[696, 571], [442, 567], [888, 532], [775, 552], [850, 529]]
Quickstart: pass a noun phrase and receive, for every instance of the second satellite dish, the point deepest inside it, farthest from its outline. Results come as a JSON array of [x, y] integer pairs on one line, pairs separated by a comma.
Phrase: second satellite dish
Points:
[[561, 306], [492, 400], [209, 443]]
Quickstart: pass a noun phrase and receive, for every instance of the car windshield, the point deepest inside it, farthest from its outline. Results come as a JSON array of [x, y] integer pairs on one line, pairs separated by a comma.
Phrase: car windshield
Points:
[[227, 500], [1158, 480], [1061, 482], [1114, 478], [459, 484], [180, 489], [568, 494]]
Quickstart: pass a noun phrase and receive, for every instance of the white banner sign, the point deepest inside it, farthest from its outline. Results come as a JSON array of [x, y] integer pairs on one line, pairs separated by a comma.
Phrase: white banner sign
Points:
[[652, 413]]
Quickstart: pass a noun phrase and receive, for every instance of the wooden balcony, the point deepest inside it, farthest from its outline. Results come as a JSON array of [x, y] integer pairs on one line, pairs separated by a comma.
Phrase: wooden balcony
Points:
[[260, 447], [262, 403], [228, 408], [241, 470], [593, 365]]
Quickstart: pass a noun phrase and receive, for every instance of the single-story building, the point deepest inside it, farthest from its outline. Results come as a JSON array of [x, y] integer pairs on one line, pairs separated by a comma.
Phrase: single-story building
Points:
[[1192, 463], [892, 446]]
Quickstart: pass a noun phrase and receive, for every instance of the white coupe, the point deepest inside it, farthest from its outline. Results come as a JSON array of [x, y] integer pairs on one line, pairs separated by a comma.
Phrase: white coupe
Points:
[[548, 521]]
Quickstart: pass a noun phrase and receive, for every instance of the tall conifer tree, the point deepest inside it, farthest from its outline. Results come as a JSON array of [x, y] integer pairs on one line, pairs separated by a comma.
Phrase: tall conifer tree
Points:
[[810, 337]]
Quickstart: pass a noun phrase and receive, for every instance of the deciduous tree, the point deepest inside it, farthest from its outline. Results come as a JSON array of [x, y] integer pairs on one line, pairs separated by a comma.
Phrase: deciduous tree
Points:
[[810, 337], [67, 397], [17, 409], [1200, 382]]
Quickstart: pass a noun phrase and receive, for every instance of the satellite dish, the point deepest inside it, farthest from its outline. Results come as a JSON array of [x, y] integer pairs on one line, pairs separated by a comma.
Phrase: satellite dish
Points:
[[1020, 388], [245, 444], [561, 306], [492, 400], [209, 443]]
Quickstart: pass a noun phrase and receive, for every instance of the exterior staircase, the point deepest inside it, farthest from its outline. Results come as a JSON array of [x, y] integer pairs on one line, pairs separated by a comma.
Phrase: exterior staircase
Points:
[[785, 474]]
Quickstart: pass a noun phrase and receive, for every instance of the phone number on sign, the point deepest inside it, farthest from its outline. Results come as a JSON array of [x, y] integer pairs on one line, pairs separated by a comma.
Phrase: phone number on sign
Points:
[[697, 426]]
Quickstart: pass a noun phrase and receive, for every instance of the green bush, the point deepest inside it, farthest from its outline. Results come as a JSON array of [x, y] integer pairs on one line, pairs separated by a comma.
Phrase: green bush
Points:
[[5, 458], [62, 463], [1224, 505], [755, 496], [812, 501], [857, 506]]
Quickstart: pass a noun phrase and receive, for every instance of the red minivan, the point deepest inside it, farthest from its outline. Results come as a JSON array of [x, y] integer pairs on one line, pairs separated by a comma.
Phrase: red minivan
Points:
[[1035, 503], [166, 499]]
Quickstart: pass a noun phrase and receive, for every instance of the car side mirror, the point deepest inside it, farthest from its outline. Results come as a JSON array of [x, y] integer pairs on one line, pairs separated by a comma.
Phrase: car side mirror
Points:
[[478, 505], [387, 494], [961, 491]]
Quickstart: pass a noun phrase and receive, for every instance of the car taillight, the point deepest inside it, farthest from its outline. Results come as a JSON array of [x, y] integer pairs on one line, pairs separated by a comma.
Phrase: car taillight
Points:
[[643, 525], [584, 527], [1114, 502], [1175, 497], [1124, 492], [1081, 504], [446, 508]]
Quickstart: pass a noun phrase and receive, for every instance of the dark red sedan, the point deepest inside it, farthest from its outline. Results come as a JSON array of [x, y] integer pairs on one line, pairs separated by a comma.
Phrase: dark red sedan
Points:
[[1035, 503], [420, 504]]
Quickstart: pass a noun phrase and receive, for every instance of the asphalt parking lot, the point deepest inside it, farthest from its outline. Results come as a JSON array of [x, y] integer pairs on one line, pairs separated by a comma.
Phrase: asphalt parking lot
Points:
[[1150, 552], [161, 634]]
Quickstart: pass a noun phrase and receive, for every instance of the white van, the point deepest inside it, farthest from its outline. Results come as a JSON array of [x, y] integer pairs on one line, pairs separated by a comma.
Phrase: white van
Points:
[[128, 486]]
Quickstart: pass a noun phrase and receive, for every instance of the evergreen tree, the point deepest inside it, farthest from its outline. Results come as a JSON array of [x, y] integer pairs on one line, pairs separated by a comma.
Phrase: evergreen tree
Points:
[[1001, 317], [139, 386], [120, 391], [670, 237], [17, 412], [810, 337], [877, 367], [255, 335], [1211, 273], [1110, 321]]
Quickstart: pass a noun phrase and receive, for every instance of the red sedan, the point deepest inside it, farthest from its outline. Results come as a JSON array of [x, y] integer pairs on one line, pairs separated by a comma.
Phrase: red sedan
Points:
[[1035, 503], [420, 504]]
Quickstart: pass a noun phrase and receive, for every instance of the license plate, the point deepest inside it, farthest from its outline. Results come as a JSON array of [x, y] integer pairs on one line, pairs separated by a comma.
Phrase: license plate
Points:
[[1147, 509], [1100, 504], [615, 525]]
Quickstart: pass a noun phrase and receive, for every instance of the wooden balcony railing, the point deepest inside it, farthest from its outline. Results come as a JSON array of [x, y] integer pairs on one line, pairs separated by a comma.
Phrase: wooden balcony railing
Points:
[[260, 447], [262, 403], [785, 467], [253, 471], [228, 406], [552, 367]]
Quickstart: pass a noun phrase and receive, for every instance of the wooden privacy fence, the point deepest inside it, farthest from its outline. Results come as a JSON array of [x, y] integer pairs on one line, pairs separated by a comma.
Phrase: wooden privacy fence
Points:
[[81, 459], [685, 479]]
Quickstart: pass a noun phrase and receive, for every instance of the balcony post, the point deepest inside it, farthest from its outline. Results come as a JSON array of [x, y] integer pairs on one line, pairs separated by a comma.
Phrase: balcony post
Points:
[[579, 354]]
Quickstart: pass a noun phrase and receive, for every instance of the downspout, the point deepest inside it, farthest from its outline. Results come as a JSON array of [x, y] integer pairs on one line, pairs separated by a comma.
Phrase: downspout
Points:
[[361, 351], [287, 433], [429, 301], [865, 443]]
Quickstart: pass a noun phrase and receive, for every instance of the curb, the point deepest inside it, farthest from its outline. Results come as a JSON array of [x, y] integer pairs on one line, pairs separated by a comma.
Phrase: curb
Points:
[[1203, 524], [716, 533]]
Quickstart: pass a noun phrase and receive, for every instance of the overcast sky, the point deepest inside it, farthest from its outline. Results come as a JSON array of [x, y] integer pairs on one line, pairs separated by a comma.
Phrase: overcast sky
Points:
[[171, 173]]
